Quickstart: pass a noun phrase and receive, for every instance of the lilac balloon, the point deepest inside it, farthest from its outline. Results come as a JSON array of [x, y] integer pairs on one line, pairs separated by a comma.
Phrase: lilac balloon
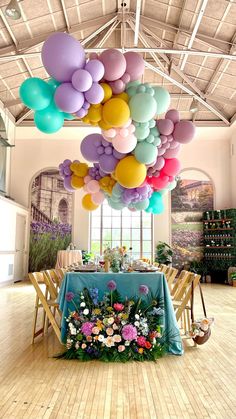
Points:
[[134, 65], [67, 171], [89, 146], [95, 172], [173, 115], [82, 80], [67, 184], [95, 94], [161, 151], [96, 69], [164, 139], [68, 99], [62, 55], [86, 105], [165, 126], [108, 163], [66, 162], [171, 153], [81, 113], [118, 155], [184, 132], [114, 63]]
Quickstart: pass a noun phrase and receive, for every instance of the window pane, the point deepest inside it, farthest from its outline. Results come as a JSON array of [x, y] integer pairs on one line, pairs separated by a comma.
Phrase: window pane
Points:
[[106, 210], [95, 247], [136, 247], [146, 234], [106, 222], [135, 234], [147, 246], [147, 222], [126, 212], [106, 235], [116, 222], [126, 222], [116, 234], [96, 234], [115, 243], [126, 234], [126, 243], [136, 222]]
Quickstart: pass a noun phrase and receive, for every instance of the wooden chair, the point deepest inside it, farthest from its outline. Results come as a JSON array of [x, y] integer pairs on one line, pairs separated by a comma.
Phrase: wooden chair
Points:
[[170, 276], [54, 279], [163, 268], [60, 272], [42, 301], [179, 282]]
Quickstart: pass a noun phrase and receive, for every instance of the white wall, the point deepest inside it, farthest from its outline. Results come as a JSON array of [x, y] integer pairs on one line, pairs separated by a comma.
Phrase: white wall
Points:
[[210, 152]]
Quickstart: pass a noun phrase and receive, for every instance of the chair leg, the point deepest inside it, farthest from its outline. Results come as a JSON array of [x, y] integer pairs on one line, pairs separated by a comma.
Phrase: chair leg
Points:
[[35, 318]]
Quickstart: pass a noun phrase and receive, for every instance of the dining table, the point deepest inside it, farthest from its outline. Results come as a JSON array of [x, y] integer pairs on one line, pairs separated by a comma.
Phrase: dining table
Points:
[[128, 286], [67, 257]]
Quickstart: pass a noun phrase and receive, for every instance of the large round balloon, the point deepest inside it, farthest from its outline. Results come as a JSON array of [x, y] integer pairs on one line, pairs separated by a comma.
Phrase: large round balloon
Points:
[[173, 115], [165, 126], [171, 167], [115, 112], [162, 97], [130, 173], [114, 64], [89, 147], [36, 94], [145, 152], [134, 65], [88, 204], [142, 107], [49, 120], [68, 99], [62, 55], [184, 131]]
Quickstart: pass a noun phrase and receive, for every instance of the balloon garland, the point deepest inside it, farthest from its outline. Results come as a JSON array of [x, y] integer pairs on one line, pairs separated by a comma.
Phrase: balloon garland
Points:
[[134, 157]]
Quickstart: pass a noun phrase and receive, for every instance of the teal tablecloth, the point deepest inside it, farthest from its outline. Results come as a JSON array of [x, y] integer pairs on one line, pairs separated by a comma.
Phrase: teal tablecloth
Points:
[[127, 285]]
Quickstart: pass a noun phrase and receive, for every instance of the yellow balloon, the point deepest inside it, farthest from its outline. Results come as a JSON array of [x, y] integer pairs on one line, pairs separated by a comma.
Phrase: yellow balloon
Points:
[[130, 173], [79, 169], [106, 184], [123, 96], [103, 125], [94, 114], [77, 182], [88, 204], [107, 92], [115, 112]]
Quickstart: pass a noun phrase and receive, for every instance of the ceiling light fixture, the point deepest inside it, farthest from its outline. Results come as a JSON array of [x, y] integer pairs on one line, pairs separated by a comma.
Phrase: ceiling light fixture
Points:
[[194, 107], [12, 10]]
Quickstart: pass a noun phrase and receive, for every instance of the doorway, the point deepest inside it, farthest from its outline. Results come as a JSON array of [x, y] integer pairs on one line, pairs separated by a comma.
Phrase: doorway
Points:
[[19, 262]]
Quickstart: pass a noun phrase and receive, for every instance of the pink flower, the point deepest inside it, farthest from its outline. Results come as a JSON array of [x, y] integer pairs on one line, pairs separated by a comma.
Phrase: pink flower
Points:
[[95, 330], [141, 340], [83, 346], [86, 328], [117, 338], [109, 342], [143, 289], [118, 306], [129, 332], [89, 338], [121, 348], [109, 331]]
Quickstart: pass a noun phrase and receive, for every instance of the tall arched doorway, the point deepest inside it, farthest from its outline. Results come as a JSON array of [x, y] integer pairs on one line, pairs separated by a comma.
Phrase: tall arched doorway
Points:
[[193, 195], [63, 211]]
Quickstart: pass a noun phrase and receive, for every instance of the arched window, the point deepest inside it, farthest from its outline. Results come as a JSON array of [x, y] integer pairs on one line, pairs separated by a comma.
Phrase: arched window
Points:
[[63, 211], [122, 228]]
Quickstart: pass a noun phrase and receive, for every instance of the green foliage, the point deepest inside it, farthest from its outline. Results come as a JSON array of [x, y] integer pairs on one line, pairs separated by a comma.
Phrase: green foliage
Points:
[[164, 253], [198, 267], [233, 276]]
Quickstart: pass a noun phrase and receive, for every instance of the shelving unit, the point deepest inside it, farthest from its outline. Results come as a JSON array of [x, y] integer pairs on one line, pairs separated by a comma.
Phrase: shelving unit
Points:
[[219, 232]]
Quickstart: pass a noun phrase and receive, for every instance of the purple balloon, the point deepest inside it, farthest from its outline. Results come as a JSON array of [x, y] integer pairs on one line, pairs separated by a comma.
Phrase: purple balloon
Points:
[[171, 153], [118, 155], [95, 94], [108, 163], [86, 105], [165, 126], [66, 162], [96, 69], [95, 172], [68, 99], [184, 132], [62, 55], [67, 184], [89, 146], [81, 113], [82, 80], [173, 115]]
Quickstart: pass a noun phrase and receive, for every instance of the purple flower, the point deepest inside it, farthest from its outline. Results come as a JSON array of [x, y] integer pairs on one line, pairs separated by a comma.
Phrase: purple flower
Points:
[[143, 289], [86, 328], [111, 285], [69, 296], [129, 332]]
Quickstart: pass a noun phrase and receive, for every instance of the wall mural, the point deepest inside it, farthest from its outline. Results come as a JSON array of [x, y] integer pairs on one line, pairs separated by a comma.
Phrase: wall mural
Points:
[[51, 218], [189, 200]]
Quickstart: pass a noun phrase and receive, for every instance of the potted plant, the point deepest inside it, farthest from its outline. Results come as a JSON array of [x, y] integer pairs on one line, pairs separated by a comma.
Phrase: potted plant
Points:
[[86, 257], [164, 253], [199, 267], [233, 277]]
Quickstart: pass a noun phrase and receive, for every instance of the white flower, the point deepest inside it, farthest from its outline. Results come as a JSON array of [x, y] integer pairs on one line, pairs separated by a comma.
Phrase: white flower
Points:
[[86, 311], [73, 331], [110, 320], [201, 334], [101, 338], [204, 327], [70, 325], [82, 304], [77, 345], [136, 324], [127, 343], [136, 316], [123, 322]]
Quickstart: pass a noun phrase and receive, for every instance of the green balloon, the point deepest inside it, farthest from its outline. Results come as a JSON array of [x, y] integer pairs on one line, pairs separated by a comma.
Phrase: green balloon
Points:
[[115, 205], [68, 116], [141, 132], [143, 107], [36, 94], [53, 83], [141, 205], [49, 120], [145, 152], [162, 98], [156, 205]]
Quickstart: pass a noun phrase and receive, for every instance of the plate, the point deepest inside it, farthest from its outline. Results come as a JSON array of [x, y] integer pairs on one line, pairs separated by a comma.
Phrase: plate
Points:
[[84, 271], [146, 270]]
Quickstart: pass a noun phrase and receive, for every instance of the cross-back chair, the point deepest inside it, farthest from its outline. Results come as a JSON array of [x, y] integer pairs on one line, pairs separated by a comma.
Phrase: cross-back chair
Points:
[[163, 268], [170, 276]]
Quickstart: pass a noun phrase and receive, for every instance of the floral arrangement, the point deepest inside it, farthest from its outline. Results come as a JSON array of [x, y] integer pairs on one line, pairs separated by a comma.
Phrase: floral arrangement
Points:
[[117, 257], [200, 327], [115, 329]]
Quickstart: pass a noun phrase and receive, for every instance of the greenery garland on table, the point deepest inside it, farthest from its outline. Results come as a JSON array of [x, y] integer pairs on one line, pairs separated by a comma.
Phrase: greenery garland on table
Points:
[[115, 329]]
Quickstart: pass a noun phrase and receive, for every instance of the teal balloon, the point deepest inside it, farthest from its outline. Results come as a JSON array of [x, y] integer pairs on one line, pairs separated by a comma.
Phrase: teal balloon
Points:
[[145, 152], [49, 120], [162, 98], [36, 94], [134, 83], [141, 132], [53, 83], [143, 107], [156, 205], [141, 205], [68, 116], [115, 205], [117, 191]]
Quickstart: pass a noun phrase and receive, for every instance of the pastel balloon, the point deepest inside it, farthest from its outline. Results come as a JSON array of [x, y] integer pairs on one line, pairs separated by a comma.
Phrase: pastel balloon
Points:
[[49, 120], [107, 91], [160, 182], [89, 146], [93, 186], [53, 84], [145, 152], [171, 167], [67, 184], [115, 112], [156, 205], [134, 65], [96, 69], [88, 204], [141, 205], [130, 173], [173, 115], [124, 144], [62, 55], [114, 63], [115, 205], [95, 94], [172, 185], [142, 107], [108, 163], [171, 153], [162, 98], [184, 132], [165, 126], [82, 80], [87, 179], [77, 182], [35, 93], [68, 99], [98, 198]]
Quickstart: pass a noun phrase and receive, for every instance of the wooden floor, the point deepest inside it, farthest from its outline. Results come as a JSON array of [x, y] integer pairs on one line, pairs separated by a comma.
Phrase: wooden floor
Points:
[[200, 384]]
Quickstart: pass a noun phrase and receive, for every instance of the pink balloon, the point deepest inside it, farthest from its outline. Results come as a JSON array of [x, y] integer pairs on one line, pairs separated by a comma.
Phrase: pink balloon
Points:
[[110, 133], [98, 197], [85, 188], [124, 132], [171, 167], [160, 182], [124, 144], [170, 138], [131, 129], [128, 123], [173, 115], [174, 144], [87, 179], [165, 126], [114, 63], [161, 151], [125, 78], [135, 65], [93, 186], [164, 139], [184, 132], [171, 153]]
